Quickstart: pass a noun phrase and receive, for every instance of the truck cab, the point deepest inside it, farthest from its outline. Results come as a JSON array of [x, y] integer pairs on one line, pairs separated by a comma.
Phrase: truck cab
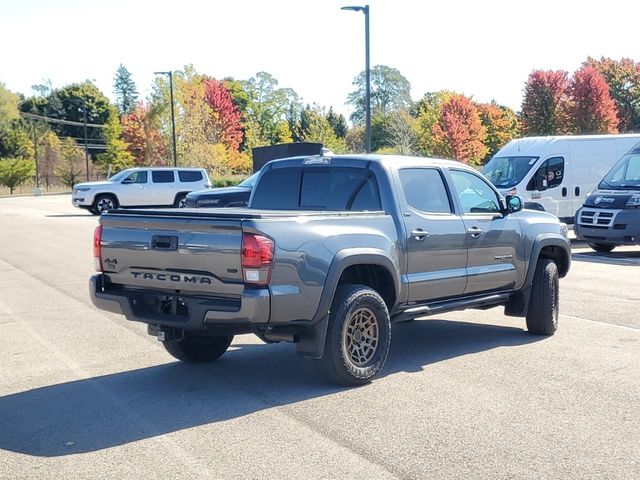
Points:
[[610, 216]]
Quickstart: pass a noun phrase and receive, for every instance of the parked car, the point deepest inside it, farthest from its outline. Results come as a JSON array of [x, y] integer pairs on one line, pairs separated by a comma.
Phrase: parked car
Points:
[[140, 187], [330, 251], [237, 196], [555, 174], [610, 216]]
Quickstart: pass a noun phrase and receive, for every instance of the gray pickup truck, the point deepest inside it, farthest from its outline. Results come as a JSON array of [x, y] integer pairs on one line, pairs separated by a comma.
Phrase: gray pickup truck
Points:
[[330, 252]]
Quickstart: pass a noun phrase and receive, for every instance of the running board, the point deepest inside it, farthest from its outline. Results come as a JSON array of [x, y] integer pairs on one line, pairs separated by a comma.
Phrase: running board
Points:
[[449, 305]]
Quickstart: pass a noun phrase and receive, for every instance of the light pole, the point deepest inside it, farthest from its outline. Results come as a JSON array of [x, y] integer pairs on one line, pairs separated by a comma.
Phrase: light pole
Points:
[[173, 118], [367, 74]]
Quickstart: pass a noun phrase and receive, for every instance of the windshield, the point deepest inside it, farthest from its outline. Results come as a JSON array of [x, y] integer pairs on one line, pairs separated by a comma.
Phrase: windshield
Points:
[[249, 182], [507, 172], [624, 174], [118, 177]]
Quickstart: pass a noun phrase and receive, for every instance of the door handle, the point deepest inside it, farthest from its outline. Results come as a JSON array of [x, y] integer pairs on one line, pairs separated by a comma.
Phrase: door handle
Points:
[[474, 232], [419, 234]]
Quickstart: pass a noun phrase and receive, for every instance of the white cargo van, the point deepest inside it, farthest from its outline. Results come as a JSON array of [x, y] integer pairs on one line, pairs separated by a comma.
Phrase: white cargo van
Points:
[[556, 174]]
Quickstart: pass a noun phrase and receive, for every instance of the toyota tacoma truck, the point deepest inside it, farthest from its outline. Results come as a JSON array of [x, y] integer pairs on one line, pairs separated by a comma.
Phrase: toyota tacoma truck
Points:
[[331, 251]]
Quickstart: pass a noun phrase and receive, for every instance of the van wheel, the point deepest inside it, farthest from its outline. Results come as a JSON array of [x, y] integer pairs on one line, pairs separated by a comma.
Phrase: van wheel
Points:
[[180, 201], [104, 203], [198, 348], [358, 336], [542, 315], [601, 247]]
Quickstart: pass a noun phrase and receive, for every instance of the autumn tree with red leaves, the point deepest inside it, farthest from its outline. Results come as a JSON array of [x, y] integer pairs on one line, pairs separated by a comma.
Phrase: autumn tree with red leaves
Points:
[[623, 78], [224, 125], [591, 109], [544, 105], [143, 139], [458, 134]]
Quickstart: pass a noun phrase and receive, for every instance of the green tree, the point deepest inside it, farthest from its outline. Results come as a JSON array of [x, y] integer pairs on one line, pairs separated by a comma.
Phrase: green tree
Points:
[[70, 103], [70, 168], [117, 156], [267, 105], [390, 90], [318, 129], [15, 171], [14, 134], [125, 91], [337, 122], [354, 139]]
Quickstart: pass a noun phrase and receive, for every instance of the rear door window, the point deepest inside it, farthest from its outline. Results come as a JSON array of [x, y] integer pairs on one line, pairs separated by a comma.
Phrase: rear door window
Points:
[[424, 190], [189, 175], [162, 176]]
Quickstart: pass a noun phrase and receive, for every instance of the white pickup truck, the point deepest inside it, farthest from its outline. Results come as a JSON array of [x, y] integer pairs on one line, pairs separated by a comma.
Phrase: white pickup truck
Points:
[[140, 187]]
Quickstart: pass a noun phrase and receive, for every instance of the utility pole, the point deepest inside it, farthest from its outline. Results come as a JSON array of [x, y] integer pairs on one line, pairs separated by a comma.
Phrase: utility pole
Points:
[[86, 140], [36, 190]]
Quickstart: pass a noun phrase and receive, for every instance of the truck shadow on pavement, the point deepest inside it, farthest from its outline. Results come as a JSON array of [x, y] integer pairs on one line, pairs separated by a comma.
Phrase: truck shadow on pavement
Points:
[[102, 412], [624, 258]]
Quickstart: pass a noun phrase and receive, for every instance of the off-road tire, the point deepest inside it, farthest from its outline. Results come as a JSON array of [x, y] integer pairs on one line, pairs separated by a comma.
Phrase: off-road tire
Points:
[[198, 348], [601, 247], [104, 203], [358, 336], [543, 312]]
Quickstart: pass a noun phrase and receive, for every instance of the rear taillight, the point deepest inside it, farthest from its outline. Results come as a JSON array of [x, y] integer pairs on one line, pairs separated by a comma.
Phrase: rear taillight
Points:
[[97, 248], [257, 259]]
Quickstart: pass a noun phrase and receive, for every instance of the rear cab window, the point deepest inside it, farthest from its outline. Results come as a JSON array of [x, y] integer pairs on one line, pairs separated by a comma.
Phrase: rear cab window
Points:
[[162, 176], [322, 188]]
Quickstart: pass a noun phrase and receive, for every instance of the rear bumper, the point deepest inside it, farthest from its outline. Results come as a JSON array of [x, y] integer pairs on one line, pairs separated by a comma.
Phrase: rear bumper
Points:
[[186, 312]]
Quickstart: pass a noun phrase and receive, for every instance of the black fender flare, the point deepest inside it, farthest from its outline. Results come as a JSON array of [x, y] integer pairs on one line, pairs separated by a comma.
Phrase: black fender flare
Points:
[[312, 342]]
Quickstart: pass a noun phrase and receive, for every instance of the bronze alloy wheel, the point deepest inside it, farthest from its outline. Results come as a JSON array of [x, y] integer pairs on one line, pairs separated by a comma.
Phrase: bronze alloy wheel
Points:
[[360, 337]]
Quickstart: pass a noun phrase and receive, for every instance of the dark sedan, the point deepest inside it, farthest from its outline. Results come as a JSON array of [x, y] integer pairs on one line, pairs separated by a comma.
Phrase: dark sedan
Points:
[[237, 196]]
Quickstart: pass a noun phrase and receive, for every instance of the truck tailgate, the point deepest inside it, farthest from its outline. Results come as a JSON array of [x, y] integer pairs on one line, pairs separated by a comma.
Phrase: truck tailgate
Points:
[[173, 252]]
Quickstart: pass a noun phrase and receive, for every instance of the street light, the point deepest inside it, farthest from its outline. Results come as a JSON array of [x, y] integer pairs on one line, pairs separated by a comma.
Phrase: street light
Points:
[[367, 127], [173, 118]]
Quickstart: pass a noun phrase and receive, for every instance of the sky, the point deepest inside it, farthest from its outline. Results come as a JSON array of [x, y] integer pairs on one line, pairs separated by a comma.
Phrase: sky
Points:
[[484, 49]]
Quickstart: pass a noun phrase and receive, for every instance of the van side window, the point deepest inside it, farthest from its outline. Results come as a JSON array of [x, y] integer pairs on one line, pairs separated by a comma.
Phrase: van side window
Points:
[[189, 175], [162, 176], [551, 171]]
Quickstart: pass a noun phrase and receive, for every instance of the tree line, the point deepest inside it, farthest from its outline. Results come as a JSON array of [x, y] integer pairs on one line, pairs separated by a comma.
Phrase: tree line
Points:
[[219, 121]]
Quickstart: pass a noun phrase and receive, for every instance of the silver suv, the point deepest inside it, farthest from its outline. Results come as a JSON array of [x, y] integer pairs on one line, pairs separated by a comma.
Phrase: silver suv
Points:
[[140, 187]]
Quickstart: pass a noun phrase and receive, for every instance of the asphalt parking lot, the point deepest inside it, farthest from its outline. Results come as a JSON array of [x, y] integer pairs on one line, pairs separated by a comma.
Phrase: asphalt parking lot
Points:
[[86, 394]]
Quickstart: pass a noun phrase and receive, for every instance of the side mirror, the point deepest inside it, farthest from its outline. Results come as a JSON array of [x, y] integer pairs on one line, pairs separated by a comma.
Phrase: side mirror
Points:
[[540, 182], [126, 181], [514, 203]]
